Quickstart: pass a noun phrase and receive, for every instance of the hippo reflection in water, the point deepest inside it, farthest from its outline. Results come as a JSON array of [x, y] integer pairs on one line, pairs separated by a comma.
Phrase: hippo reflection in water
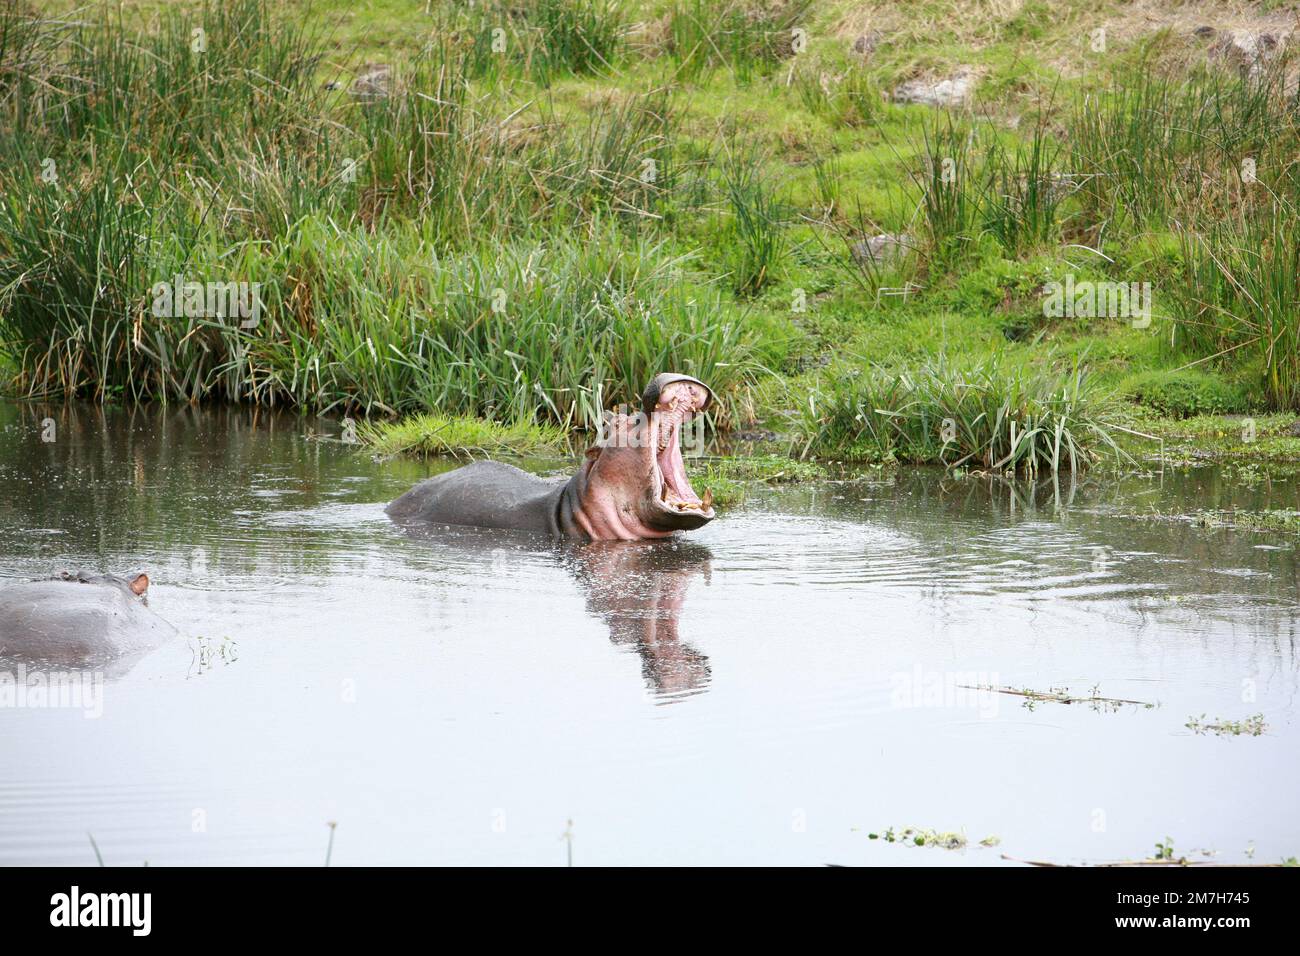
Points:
[[638, 590], [80, 618], [632, 485]]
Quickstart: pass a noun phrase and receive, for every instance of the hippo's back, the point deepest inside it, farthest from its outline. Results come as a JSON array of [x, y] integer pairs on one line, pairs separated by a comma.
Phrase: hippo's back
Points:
[[485, 494], [72, 621]]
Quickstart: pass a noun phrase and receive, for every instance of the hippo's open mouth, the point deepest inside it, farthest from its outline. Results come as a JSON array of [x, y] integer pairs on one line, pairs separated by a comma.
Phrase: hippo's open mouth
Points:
[[673, 492]]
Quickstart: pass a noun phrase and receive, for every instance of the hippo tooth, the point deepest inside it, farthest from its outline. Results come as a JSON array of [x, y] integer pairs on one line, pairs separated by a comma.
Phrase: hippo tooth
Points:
[[708, 499]]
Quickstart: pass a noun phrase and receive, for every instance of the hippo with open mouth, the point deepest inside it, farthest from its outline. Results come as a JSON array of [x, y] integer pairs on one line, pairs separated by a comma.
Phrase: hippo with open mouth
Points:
[[79, 618], [631, 485]]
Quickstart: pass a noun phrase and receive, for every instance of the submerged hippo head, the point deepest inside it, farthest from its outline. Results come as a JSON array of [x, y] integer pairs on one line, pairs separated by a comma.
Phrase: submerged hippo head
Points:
[[633, 483], [79, 617], [137, 586]]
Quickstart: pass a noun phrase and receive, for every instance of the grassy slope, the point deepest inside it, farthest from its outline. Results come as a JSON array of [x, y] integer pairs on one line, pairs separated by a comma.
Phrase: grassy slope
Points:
[[1026, 54]]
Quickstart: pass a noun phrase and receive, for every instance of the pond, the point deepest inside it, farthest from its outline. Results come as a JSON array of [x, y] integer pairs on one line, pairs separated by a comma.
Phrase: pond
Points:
[[771, 689]]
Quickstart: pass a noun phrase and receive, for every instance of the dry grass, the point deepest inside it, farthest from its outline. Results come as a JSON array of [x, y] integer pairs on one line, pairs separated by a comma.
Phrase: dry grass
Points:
[[1143, 17], [971, 23]]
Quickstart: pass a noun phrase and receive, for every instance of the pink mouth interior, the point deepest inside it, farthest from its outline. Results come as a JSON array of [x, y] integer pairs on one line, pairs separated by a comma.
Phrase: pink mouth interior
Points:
[[677, 404], [671, 466]]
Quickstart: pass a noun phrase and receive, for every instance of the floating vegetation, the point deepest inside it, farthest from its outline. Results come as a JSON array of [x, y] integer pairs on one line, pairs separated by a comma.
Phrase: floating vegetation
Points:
[[1165, 855], [1062, 695], [730, 479], [1265, 520], [1252, 726], [1262, 520], [921, 836]]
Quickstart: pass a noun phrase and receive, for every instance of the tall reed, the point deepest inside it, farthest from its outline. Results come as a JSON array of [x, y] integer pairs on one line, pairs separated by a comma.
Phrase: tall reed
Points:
[[379, 228], [989, 415], [1239, 297], [1154, 144], [748, 39]]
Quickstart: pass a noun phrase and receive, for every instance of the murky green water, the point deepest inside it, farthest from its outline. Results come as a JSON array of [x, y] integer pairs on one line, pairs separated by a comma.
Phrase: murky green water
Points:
[[767, 690]]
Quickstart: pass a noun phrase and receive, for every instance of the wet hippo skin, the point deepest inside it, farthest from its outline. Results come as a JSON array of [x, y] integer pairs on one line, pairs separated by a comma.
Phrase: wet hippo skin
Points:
[[77, 618]]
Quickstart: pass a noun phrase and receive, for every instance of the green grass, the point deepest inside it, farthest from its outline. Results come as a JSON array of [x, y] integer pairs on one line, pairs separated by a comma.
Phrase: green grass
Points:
[[574, 36], [732, 479], [651, 184], [757, 241], [427, 435], [1155, 144], [1185, 393], [1241, 296], [454, 269], [749, 39], [988, 416], [1239, 439]]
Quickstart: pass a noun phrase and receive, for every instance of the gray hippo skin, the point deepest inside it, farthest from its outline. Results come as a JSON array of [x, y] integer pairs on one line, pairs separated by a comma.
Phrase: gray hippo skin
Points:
[[486, 494], [631, 486], [78, 618]]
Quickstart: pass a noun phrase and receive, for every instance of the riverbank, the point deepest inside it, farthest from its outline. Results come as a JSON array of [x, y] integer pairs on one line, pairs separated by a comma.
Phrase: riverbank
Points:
[[866, 225]]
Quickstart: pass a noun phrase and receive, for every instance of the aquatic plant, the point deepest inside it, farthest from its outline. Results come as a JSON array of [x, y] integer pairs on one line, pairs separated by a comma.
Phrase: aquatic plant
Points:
[[923, 836], [731, 478], [1062, 695], [1252, 726]]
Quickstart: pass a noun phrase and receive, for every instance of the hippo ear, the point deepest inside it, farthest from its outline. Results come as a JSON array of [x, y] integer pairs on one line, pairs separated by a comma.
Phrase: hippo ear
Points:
[[140, 584], [593, 453]]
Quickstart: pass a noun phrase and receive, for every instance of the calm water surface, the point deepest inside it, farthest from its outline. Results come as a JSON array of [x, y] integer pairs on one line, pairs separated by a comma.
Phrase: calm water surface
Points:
[[767, 690]]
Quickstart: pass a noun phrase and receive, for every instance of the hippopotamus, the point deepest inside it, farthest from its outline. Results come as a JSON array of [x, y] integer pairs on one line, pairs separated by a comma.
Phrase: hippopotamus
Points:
[[79, 618], [631, 485]]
